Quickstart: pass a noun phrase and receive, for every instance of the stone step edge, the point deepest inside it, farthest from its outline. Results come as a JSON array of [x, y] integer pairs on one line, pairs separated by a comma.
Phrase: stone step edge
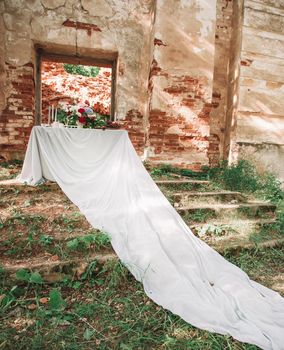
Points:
[[38, 264], [16, 183], [273, 243], [11, 182], [227, 206], [65, 238], [83, 263], [178, 182], [230, 223], [203, 194]]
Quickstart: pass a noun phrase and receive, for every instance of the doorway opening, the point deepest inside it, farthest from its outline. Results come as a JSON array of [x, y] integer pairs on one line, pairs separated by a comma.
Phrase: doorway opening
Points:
[[66, 83]]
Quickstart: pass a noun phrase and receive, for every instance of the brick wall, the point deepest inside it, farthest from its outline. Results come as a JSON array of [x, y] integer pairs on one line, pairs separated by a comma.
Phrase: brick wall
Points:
[[17, 118], [172, 136], [133, 123], [181, 83]]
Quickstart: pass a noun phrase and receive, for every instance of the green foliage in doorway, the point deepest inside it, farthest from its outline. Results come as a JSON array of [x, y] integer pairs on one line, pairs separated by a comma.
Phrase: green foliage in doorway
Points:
[[78, 69]]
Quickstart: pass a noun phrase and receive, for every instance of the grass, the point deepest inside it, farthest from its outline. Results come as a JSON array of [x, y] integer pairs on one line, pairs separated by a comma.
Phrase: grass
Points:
[[106, 309], [10, 170], [198, 215], [262, 265], [26, 235]]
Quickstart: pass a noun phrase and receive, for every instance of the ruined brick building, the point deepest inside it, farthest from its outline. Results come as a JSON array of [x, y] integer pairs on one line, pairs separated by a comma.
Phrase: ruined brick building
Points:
[[194, 81]]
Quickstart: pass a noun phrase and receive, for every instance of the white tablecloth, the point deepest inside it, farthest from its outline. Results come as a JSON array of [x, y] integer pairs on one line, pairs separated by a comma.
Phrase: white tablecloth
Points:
[[100, 172]]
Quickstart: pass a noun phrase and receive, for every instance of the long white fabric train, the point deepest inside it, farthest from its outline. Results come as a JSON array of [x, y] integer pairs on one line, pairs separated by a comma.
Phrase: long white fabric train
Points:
[[101, 173]]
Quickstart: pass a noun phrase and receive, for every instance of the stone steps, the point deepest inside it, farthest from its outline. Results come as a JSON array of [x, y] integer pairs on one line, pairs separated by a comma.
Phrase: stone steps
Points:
[[186, 197], [235, 246], [55, 270], [256, 221], [248, 210], [181, 182], [235, 232], [250, 215], [234, 225]]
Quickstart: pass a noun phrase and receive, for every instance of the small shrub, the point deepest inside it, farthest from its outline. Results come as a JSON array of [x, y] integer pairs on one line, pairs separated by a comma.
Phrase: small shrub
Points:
[[244, 177], [236, 177], [270, 188]]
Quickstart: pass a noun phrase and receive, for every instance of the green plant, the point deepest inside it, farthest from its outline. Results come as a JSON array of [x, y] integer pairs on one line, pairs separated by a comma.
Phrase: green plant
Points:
[[46, 239], [27, 276], [99, 240], [169, 170], [71, 118], [199, 215], [77, 69], [11, 163], [56, 302], [212, 230], [270, 188], [241, 176]]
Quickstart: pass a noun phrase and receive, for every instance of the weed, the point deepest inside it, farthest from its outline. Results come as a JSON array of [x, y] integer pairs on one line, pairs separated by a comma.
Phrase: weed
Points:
[[236, 177], [69, 222], [27, 276], [212, 230], [46, 239], [98, 239], [115, 314], [170, 172], [199, 215]]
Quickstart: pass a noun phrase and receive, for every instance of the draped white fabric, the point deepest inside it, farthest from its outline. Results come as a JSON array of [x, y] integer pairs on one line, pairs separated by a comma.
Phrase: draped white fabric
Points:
[[101, 173]]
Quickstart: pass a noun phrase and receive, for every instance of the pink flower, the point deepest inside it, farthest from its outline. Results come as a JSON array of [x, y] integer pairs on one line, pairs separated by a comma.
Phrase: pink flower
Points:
[[87, 103]]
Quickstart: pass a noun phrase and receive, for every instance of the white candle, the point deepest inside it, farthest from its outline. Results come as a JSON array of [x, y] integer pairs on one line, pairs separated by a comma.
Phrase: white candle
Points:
[[48, 115], [56, 114], [52, 113]]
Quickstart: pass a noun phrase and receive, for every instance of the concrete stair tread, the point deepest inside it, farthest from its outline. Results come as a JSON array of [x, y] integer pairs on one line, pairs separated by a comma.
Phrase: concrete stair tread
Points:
[[11, 182], [234, 222], [178, 182], [228, 206], [55, 270], [204, 194], [47, 260], [230, 244], [15, 184]]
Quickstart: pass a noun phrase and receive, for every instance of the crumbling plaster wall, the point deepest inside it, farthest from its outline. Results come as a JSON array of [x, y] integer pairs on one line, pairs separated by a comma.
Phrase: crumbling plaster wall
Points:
[[196, 80], [260, 119], [224, 40], [98, 28], [181, 80]]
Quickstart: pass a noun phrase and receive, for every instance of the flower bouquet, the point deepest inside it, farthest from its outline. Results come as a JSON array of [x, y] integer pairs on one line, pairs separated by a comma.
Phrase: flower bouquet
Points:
[[85, 116]]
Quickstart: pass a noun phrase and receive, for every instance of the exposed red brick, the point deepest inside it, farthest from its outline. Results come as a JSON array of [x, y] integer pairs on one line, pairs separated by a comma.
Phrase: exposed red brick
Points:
[[133, 123], [80, 25], [17, 117], [246, 62], [159, 42], [216, 95]]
